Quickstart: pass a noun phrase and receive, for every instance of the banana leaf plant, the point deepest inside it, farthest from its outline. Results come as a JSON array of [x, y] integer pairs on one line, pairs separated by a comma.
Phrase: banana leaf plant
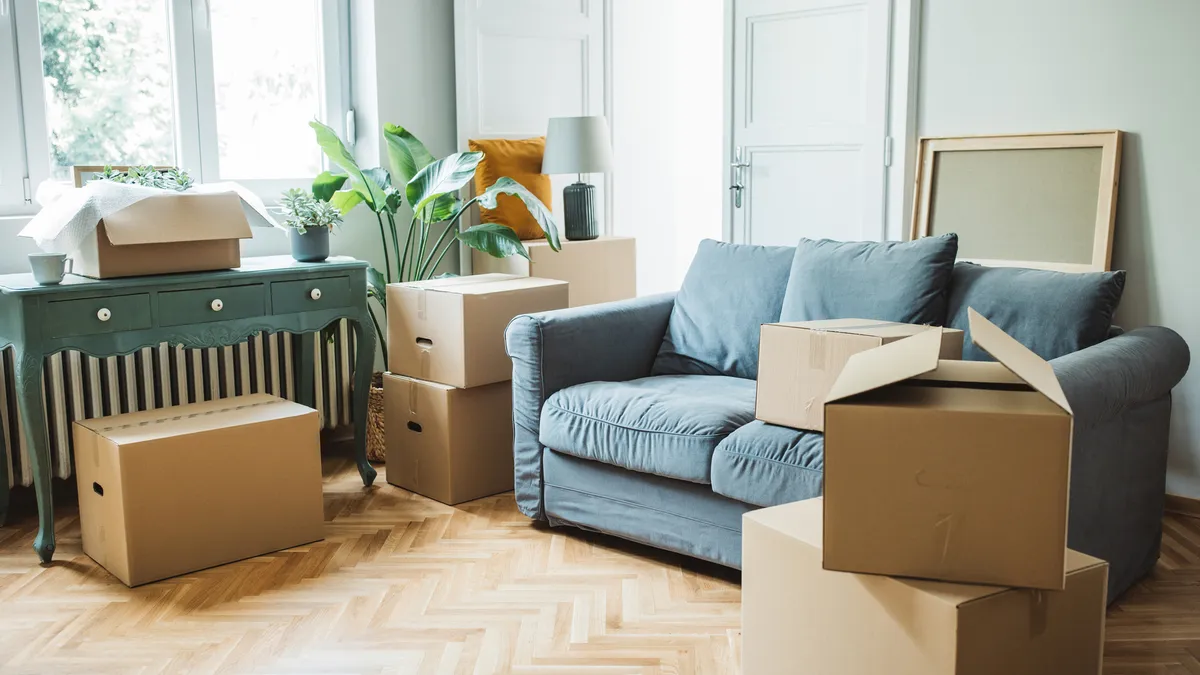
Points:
[[431, 189]]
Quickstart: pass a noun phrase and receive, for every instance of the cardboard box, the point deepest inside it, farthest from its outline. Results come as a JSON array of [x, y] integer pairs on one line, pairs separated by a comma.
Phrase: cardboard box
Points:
[[452, 330], [166, 234], [800, 618], [949, 470], [599, 270], [799, 361], [171, 491], [449, 444]]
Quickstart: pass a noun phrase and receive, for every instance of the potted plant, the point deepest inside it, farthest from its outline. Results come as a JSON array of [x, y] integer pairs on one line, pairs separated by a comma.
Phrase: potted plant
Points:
[[308, 221], [430, 187]]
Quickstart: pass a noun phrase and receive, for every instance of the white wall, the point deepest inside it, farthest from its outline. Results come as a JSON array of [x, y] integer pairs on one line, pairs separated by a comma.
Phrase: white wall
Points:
[[667, 126], [1030, 65]]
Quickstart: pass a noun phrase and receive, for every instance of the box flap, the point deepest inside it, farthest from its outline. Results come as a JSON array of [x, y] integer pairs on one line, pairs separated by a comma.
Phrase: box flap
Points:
[[1017, 357], [193, 417], [174, 218], [893, 362]]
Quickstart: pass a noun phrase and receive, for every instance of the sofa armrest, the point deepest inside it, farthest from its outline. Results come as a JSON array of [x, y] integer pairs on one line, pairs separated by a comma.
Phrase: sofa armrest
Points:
[[1104, 380], [613, 341]]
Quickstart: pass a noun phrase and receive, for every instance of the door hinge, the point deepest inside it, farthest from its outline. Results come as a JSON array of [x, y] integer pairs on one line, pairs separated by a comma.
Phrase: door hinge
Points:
[[351, 127], [887, 150], [27, 188]]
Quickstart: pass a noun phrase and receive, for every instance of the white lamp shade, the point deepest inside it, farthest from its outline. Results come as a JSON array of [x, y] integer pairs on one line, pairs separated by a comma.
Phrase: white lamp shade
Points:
[[577, 145]]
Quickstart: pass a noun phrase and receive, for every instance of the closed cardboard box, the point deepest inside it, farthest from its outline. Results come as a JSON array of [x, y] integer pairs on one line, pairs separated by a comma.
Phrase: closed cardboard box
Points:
[[452, 330], [166, 234], [800, 618], [949, 470], [598, 270], [171, 491], [799, 361], [449, 444]]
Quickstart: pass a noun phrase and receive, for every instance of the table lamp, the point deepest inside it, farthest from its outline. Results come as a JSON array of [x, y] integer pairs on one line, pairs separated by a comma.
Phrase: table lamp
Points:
[[578, 145]]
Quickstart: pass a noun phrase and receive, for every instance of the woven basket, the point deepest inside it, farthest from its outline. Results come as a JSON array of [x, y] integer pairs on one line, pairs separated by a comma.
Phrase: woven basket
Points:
[[376, 445]]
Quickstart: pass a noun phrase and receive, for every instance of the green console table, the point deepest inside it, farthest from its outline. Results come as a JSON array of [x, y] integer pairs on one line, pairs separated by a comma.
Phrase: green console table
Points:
[[111, 317]]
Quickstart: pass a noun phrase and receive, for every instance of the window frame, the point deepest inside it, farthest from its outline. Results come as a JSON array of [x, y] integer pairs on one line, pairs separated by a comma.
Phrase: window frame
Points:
[[27, 149]]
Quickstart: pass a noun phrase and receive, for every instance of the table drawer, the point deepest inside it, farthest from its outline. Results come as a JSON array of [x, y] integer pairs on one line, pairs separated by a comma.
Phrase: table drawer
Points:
[[204, 305], [303, 295], [92, 316]]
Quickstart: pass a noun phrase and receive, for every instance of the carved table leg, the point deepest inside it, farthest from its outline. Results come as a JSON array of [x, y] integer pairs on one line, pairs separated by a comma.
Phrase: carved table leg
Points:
[[4, 489], [29, 403], [364, 365]]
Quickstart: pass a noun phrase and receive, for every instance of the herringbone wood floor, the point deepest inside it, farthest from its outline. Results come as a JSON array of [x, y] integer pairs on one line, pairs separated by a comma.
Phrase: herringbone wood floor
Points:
[[405, 585]]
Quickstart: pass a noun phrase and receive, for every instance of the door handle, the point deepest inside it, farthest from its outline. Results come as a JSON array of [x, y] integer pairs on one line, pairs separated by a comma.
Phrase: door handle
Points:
[[737, 180]]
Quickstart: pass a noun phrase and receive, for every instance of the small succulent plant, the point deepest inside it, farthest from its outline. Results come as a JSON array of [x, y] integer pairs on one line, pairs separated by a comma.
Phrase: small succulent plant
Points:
[[303, 211], [148, 176]]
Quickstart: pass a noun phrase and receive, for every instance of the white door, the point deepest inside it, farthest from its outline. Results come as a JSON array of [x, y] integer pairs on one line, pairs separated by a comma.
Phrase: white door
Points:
[[808, 97]]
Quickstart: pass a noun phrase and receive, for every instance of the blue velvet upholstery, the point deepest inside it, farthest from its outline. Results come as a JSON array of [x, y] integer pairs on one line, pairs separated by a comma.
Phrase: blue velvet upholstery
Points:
[[1119, 390], [728, 291], [672, 514], [765, 465], [889, 280], [667, 425], [1052, 313]]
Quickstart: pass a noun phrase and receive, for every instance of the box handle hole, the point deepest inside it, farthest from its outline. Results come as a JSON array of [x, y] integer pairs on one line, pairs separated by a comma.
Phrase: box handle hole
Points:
[[98, 489], [425, 342], [415, 427]]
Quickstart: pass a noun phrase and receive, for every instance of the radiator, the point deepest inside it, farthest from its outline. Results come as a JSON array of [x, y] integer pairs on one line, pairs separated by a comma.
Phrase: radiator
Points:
[[78, 386]]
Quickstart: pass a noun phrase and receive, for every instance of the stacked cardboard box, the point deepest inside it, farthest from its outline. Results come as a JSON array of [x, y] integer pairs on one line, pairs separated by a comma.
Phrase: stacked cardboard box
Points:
[[942, 533], [448, 397]]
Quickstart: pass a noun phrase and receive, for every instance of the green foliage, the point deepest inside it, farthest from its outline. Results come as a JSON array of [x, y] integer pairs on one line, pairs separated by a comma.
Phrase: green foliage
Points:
[[108, 81], [442, 177], [326, 184], [545, 219], [494, 239], [335, 150], [303, 210], [148, 176]]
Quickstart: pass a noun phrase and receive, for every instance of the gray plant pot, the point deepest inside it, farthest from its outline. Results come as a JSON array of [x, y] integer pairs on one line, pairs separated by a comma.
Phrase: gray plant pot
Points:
[[312, 246]]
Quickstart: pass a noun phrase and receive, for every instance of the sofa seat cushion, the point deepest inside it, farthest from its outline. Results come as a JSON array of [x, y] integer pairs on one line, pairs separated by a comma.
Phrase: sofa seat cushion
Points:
[[666, 425], [767, 465]]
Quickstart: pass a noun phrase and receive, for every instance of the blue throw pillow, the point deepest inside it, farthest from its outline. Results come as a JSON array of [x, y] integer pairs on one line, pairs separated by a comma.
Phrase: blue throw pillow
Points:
[[1052, 313], [729, 290], [888, 280]]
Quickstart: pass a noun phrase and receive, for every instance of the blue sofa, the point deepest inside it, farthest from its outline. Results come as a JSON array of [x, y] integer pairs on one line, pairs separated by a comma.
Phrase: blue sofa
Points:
[[674, 459]]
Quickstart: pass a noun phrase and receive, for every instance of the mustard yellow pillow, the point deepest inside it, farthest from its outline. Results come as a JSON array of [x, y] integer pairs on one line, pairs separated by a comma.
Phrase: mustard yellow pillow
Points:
[[522, 162]]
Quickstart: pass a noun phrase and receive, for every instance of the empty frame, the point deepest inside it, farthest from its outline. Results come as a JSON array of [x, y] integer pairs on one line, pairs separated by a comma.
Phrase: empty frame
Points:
[[1045, 201]]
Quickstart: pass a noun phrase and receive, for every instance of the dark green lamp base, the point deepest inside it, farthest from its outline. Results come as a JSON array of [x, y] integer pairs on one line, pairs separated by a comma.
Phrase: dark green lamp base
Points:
[[579, 203]]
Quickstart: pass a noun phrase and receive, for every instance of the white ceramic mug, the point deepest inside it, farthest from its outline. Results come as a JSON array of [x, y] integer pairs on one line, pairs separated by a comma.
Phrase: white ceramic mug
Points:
[[50, 268]]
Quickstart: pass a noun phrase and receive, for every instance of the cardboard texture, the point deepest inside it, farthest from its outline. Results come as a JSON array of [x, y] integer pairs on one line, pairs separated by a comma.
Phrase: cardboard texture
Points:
[[446, 443], [158, 498], [800, 618], [599, 270], [167, 234], [947, 470], [799, 361], [452, 330]]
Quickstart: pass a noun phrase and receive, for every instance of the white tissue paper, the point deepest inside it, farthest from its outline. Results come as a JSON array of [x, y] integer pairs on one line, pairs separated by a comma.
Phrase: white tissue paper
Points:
[[68, 214]]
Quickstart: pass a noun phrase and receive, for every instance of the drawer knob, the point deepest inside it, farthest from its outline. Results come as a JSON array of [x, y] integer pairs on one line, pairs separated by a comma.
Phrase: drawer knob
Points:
[[103, 314], [217, 305], [315, 294]]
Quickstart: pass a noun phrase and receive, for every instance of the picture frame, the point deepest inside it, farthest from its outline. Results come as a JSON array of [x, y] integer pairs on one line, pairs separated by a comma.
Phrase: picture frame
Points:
[[1042, 200]]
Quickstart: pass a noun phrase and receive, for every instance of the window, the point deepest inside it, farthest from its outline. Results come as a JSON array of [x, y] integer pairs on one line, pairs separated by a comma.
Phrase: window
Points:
[[222, 88]]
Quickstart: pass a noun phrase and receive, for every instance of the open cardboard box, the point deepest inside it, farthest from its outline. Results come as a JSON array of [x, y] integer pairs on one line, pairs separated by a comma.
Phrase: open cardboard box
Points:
[[165, 234], [949, 470]]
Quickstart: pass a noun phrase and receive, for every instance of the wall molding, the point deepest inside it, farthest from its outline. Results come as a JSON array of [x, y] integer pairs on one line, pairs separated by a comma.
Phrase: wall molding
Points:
[[1184, 506]]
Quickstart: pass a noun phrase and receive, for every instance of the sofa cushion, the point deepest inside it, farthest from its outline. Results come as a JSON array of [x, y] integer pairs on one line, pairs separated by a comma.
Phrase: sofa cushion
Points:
[[666, 425], [889, 280], [766, 465], [1052, 313], [729, 290]]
